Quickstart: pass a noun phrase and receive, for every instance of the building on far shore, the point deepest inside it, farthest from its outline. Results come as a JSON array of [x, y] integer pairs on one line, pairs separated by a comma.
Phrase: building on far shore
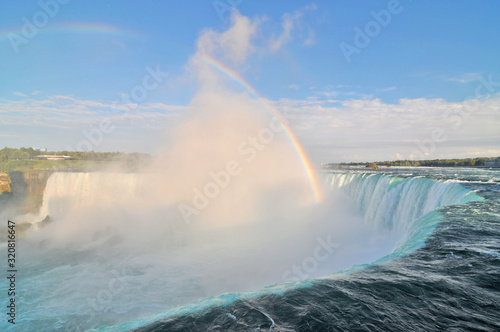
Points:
[[53, 157], [492, 163]]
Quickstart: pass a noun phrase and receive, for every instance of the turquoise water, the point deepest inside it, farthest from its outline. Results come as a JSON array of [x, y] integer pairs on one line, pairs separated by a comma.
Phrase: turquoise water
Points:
[[81, 289], [442, 275]]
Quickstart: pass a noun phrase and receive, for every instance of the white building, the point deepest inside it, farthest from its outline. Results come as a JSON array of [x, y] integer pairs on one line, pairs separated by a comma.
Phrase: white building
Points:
[[53, 157]]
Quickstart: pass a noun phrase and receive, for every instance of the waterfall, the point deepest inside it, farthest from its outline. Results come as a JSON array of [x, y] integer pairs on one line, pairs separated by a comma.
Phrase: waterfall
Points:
[[405, 207], [67, 192]]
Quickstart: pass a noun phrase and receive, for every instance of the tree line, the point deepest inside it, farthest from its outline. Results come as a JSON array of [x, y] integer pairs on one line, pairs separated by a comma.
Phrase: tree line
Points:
[[415, 163], [25, 159], [31, 154]]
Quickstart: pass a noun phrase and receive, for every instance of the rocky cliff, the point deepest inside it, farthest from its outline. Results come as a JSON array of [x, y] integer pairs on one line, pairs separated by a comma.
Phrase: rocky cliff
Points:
[[4, 183], [27, 189]]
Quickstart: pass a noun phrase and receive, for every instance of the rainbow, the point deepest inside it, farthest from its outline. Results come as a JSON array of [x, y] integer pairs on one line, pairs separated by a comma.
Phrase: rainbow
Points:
[[233, 75], [75, 27]]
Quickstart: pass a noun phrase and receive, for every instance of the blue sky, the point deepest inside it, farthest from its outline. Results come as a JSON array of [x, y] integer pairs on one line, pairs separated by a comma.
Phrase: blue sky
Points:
[[399, 95]]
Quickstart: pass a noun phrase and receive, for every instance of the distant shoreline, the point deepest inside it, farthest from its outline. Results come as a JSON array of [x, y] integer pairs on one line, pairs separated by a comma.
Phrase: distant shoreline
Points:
[[385, 167], [481, 162]]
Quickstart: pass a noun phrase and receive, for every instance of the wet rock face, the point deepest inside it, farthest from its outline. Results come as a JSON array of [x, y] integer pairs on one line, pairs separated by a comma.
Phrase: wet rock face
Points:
[[27, 189], [29, 182], [5, 182]]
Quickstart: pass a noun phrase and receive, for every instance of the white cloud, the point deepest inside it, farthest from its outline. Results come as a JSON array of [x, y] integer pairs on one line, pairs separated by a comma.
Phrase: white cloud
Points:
[[19, 94], [285, 35], [375, 130], [465, 78], [234, 44], [310, 40], [291, 22], [61, 122], [332, 130], [71, 113]]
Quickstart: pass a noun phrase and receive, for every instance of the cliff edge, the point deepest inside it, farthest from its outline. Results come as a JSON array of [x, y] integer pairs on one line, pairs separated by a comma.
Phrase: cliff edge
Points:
[[5, 183]]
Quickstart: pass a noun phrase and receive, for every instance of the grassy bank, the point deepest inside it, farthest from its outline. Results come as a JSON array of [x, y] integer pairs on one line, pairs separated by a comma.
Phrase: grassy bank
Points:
[[9, 166], [26, 159]]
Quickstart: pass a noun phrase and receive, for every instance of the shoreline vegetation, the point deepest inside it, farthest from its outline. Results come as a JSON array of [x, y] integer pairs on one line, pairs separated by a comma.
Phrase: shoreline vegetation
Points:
[[26, 159], [466, 162]]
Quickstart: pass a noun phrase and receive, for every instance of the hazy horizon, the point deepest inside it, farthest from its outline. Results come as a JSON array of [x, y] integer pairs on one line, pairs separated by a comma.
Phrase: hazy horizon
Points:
[[326, 162], [354, 81]]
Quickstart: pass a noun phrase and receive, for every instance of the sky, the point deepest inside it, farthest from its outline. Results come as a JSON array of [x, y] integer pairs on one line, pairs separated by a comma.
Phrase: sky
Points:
[[354, 80]]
